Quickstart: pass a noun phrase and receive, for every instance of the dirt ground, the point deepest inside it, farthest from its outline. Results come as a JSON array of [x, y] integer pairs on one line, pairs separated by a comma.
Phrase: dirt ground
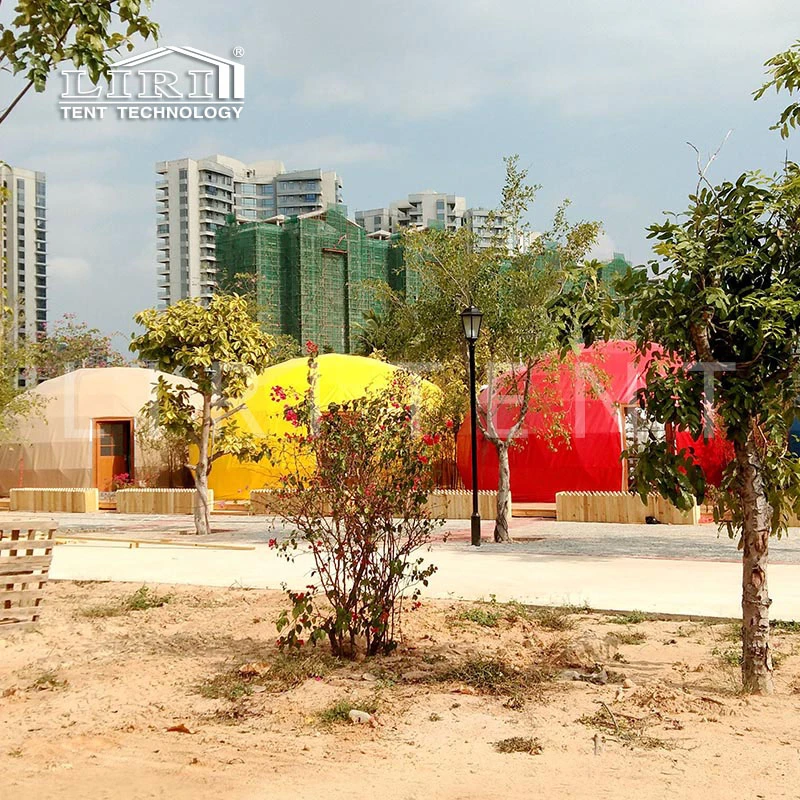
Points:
[[591, 705]]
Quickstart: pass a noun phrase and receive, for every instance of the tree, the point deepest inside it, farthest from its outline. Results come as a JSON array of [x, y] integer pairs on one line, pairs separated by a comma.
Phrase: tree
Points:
[[69, 345], [217, 349], [45, 33], [723, 311], [513, 287], [784, 69]]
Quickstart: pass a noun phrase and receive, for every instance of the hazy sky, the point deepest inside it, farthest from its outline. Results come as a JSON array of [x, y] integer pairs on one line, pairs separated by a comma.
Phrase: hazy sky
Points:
[[599, 99]]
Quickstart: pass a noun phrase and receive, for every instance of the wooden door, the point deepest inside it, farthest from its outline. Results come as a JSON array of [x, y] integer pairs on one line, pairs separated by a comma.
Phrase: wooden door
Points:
[[112, 451]]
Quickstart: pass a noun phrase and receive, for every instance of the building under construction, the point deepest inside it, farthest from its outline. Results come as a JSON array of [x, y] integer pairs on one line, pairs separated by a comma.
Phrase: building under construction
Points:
[[313, 276]]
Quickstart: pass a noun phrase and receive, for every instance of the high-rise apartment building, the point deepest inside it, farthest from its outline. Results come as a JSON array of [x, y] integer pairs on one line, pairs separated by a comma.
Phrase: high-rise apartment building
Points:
[[421, 210], [195, 196], [23, 250]]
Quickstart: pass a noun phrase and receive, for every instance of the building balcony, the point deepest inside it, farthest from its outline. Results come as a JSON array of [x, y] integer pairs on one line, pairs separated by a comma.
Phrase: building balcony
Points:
[[162, 184]]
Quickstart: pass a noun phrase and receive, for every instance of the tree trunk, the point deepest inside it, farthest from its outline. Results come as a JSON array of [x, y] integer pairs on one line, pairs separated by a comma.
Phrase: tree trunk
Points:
[[757, 526], [501, 533], [201, 521]]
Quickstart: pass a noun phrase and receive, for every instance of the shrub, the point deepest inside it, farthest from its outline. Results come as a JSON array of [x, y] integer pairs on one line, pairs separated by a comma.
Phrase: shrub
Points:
[[356, 500]]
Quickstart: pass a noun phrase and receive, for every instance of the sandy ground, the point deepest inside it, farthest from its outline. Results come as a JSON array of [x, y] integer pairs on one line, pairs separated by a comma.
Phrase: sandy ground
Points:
[[86, 701]]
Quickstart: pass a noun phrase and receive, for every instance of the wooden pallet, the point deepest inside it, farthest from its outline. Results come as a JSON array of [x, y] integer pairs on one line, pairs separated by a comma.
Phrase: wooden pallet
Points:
[[26, 550]]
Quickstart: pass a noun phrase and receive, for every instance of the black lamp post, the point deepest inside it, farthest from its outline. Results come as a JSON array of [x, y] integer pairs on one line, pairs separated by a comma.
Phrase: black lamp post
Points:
[[471, 319]]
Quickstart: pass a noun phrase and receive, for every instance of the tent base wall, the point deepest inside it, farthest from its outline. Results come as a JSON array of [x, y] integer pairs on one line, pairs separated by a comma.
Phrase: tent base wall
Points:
[[70, 501], [158, 501], [621, 507]]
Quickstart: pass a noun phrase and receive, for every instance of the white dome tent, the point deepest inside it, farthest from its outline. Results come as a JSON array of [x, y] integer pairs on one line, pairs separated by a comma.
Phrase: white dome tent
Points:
[[83, 431]]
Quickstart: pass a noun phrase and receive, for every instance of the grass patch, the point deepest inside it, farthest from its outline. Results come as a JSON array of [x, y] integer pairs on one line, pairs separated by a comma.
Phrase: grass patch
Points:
[[285, 671], [631, 637], [558, 618], [729, 657], [339, 712], [48, 681], [480, 616], [492, 675], [786, 626], [627, 730], [630, 618], [143, 599], [519, 744]]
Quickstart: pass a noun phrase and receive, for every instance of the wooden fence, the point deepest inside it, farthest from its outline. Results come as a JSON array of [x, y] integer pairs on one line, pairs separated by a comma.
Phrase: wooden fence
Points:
[[446, 503], [620, 507], [158, 501], [26, 550], [75, 501]]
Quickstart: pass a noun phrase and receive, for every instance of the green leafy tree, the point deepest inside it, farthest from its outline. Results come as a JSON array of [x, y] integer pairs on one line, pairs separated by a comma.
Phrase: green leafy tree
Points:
[[46, 33], [723, 309], [70, 344], [513, 286], [218, 348], [784, 72]]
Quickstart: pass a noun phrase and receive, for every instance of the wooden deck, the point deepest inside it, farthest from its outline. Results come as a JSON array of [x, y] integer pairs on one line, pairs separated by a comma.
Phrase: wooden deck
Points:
[[542, 510]]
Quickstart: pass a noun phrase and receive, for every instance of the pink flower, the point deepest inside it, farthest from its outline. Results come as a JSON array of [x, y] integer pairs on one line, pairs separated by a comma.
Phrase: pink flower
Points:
[[290, 415], [278, 393]]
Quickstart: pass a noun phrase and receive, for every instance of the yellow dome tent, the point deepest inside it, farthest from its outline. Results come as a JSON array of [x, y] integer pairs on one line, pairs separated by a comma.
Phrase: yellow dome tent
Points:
[[340, 378]]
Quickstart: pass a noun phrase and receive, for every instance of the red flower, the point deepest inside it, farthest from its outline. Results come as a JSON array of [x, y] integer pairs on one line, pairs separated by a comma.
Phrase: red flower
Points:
[[449, 423], [311, 348], [290, 415], [437, 438], [273, 542], [278, 393], [428, 439], [423, 459]]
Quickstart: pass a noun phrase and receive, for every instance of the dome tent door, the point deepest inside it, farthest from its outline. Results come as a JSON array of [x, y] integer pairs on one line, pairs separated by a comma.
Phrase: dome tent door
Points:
[[113, 451]]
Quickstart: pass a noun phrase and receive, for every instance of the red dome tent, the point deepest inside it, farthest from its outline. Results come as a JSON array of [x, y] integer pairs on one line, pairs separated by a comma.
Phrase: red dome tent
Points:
[[590, 398]]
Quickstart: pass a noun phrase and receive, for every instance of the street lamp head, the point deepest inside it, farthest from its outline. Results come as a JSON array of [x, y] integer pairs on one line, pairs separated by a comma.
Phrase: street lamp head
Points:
[[471, 319]]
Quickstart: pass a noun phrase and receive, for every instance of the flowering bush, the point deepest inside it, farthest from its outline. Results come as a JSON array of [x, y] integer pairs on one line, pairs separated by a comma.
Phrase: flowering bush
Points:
[[361, 513], [121, 481]]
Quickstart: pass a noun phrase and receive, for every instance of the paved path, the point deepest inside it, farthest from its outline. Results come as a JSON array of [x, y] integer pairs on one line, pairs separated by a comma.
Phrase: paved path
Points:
[[668, 569]]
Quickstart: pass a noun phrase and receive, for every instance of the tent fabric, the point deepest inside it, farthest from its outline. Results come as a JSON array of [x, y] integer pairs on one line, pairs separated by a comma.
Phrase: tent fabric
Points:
[[53, 446], [587, 458], [340, 378]]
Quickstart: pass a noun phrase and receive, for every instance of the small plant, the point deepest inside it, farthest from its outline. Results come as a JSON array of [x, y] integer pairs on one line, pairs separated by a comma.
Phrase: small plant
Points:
[[729, 657], [629, 618], [339, 711], [142, 599], [15, 752], [631, 637], [48, 681], [555, 619], [121, 481], [434, 718], [227, 685], [480, 616], [519, 744]]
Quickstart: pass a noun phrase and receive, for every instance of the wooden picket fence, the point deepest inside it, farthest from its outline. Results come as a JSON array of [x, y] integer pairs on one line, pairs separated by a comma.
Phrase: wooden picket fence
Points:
[[26, 550], [158, 501], [445, 503], [621, 507], [70, 501]]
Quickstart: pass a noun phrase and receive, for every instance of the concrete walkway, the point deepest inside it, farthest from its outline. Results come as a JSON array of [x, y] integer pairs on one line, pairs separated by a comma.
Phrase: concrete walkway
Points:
[[667, 569]]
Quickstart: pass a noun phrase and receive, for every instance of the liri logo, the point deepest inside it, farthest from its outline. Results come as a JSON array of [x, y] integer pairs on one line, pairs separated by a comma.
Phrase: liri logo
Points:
[[209, 87]]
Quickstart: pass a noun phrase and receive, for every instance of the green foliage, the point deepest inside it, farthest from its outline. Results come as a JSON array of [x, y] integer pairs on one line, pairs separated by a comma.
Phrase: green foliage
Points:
[[361, 512], [143, 599], [784, 72], [481, 616], [69, 345], [629, 618], [46, 33], [555, 619]]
